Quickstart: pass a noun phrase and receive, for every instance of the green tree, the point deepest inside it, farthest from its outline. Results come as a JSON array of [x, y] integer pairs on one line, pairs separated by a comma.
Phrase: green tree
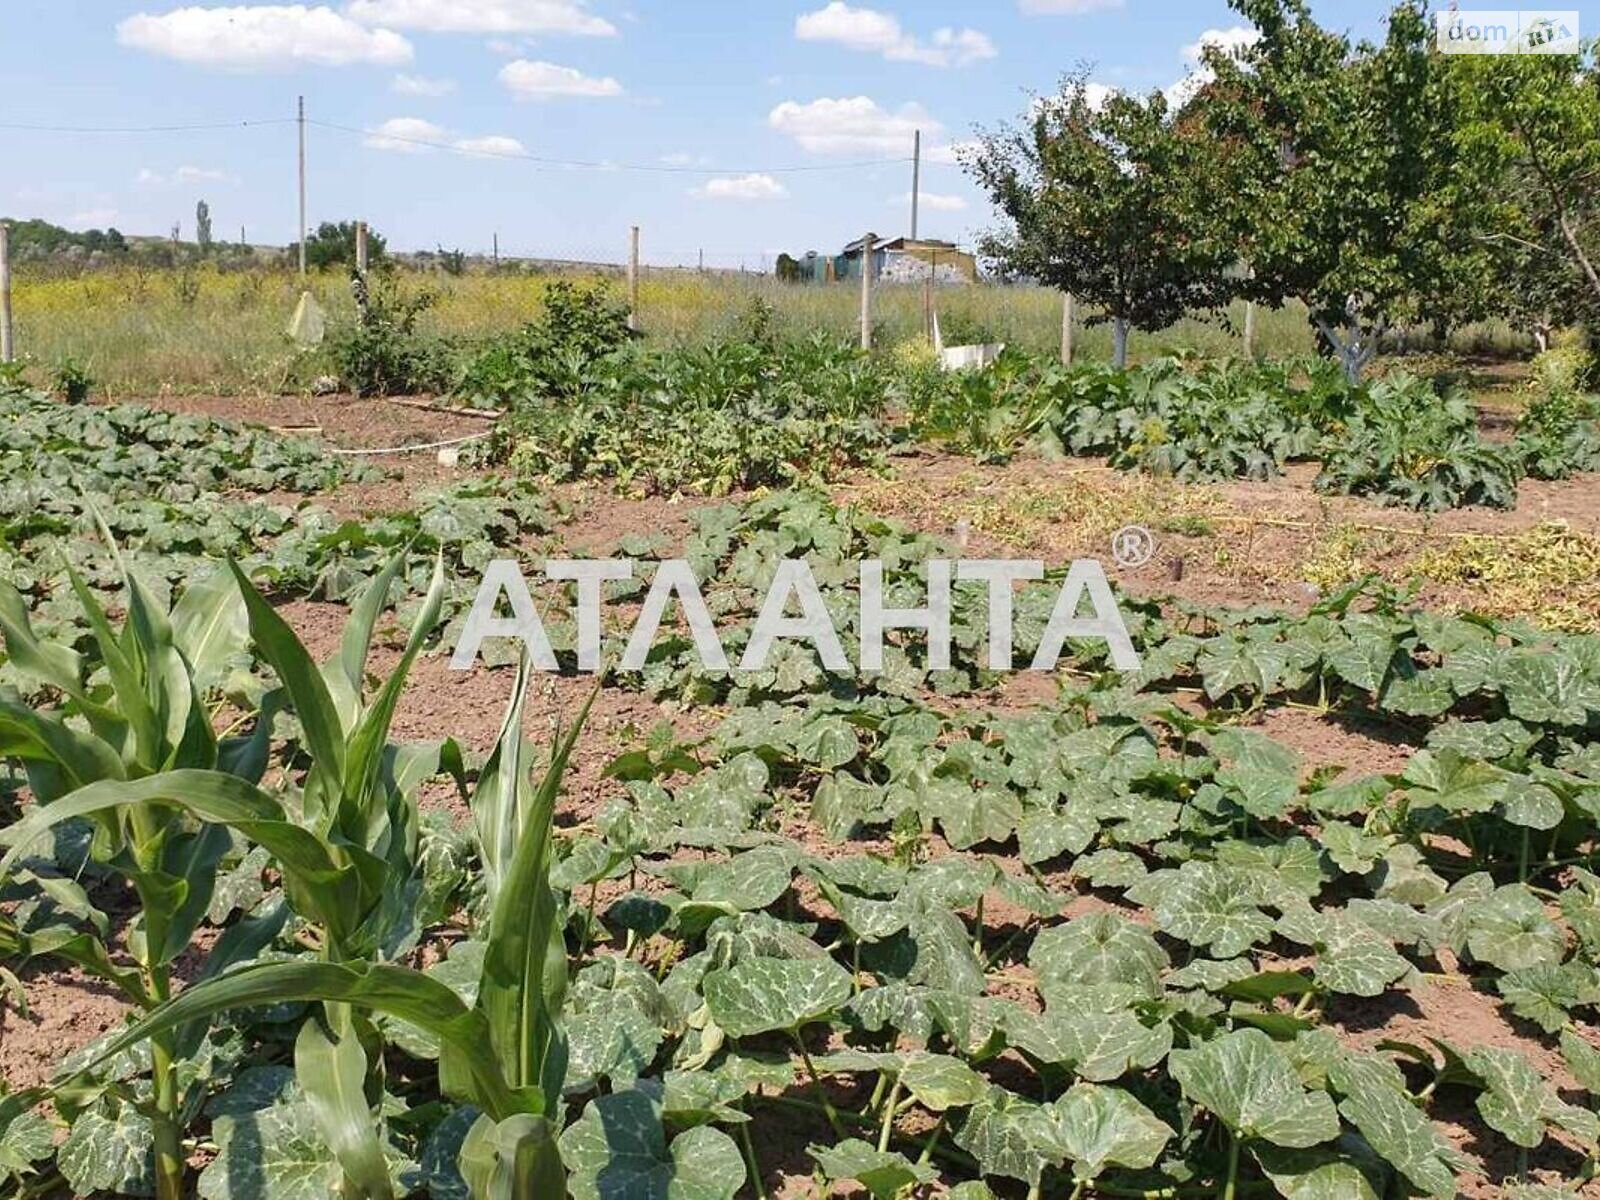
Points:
[[202, 226], [1350, 202], [334, 245], [1113, 203], [1528, 135]]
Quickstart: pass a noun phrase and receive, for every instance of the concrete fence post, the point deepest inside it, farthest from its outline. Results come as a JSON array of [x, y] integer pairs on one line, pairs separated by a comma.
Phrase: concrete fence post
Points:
[[8, 348], [868, 245]]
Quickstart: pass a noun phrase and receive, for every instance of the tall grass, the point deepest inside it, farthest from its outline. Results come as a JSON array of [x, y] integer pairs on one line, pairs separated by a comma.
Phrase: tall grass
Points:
[[144, 332]]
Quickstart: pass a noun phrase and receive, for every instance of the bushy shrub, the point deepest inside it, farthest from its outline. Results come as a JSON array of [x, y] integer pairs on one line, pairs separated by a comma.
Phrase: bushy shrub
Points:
[[1558, 434], [548, 357], [383, 352], [1405, 443], [72, 381]]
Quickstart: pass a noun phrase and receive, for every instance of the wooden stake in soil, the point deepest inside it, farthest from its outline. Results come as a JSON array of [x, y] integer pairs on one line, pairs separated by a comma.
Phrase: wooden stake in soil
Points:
[[7, 347], [1066, 329], [633, 279], [868, 245]]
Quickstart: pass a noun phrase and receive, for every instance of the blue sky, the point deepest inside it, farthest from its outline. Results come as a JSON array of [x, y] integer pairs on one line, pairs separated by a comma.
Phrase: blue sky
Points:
[[440, 97]]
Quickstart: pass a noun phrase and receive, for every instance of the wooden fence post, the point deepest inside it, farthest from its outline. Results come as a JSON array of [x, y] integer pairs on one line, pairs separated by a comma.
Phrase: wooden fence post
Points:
[[7, 345], [633, 279], [868, 245], [1250, 329], [1066, 329]]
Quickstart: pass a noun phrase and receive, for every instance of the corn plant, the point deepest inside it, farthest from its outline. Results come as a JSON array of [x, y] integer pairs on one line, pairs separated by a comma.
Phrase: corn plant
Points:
[[506, 1055], [148, 717], [347, 857]]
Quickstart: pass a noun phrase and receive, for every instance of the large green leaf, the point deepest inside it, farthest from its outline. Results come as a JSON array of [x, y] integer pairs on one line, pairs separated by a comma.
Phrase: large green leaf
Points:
[[332, 1072], [1096, 1127], [999, 1133], [1100, 959], [1518, 1102], [763, 995], [109, 1153], [618, 1148], [210, 626], [1351, 1172], [1250, 1084], [524, 982], [308, 690], [1375, 1102], [514, 1159], [1206, 905], [1352, 957], [1098, 1046], [275, 1152], [883, 1173], [393, 991]]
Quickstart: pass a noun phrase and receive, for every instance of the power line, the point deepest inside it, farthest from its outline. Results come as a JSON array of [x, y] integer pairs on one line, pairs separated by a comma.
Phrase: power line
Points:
[[454, 148], [599, 165], [8, 125]]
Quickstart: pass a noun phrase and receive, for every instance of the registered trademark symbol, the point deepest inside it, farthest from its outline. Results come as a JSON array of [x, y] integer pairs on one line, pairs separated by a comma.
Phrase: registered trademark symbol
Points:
[[1133, 546]]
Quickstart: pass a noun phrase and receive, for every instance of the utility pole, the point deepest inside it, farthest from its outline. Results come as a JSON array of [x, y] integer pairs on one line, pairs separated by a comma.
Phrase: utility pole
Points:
[[916, 181], [302, 123], [497, 251], [361, 249], [868, 245], [1066, 330]]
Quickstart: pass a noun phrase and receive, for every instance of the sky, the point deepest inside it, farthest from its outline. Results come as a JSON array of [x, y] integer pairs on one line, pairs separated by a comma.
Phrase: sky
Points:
[[736, 130]]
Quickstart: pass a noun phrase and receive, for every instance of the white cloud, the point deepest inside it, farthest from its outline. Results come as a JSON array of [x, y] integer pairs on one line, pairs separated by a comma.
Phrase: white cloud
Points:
[[1231, 40], [493, 146], [1095, 95], [743, 187], [852, 125], [484, 16], [405, 135], [682, 159], [874, 32], [537, 80], [933, 202], [419, 85], [260, 37], [1068, 7]]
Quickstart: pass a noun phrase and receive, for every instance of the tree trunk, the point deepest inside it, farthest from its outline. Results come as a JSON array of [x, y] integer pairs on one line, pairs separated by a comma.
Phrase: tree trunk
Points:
[[1541, 334], [1355, 349], [1119, 342]]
